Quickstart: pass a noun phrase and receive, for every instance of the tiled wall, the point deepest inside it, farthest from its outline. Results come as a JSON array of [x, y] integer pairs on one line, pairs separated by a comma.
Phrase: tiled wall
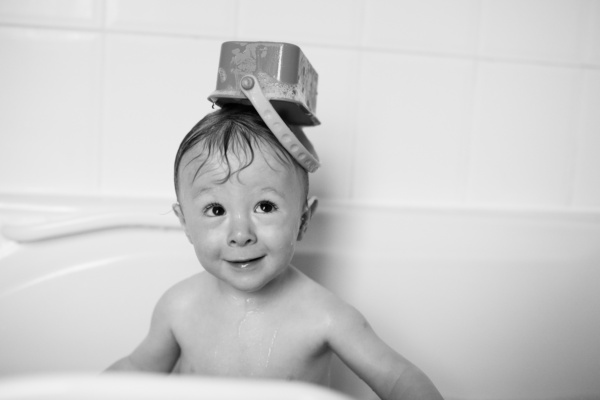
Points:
[[429, 103]]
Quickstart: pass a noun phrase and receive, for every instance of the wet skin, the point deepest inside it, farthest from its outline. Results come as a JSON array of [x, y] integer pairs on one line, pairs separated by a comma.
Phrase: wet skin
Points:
[[247, 315], [246, 337], [251, 313]]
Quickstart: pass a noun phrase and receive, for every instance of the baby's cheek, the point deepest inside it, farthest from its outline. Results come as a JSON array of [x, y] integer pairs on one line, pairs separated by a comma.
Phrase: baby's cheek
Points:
[[206, 245], [284, 238]]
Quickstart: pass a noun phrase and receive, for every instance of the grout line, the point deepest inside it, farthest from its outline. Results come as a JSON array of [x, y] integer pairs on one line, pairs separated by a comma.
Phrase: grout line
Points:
[[357, 105], [107, 30], [578, 127], [587, 215], [363, 22], [236, 20], [361, 48], [577, 123], [103, 9], [355, 132], [468, 182], [102, 102]]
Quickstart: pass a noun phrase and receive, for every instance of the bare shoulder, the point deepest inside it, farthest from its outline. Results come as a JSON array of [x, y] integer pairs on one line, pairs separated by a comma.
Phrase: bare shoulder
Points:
[[336, 313], [179, 296]]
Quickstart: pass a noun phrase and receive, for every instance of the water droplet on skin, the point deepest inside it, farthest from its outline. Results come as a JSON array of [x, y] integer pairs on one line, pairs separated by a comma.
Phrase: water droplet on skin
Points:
[[271, 347]]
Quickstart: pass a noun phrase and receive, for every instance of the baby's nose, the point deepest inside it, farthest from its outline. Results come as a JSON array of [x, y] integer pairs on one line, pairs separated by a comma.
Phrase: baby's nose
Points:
[[241, 232]]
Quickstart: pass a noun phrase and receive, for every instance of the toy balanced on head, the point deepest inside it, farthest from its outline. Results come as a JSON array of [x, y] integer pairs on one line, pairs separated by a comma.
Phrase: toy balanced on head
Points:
[[281, 84]]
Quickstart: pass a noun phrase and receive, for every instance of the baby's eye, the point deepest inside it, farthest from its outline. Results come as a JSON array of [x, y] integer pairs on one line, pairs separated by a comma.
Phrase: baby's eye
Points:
[[214, 210], [265, 207]]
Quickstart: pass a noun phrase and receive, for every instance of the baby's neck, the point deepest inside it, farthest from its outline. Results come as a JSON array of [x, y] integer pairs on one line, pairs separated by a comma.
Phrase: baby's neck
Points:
[[257, 299]]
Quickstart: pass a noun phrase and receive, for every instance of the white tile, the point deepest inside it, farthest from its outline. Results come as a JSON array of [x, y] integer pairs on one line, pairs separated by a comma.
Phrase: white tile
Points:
[[431, 25], [156, 90], [81, 13], [413, 129], [524, 137], [49, 102], [587, 174], [309, 21], [549, 30], [196, 17], [592, 37], [336, 108]]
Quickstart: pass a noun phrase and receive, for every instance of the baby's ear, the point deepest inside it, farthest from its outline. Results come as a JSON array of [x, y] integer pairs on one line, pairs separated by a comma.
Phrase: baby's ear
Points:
[[179, 212], [307, 214]]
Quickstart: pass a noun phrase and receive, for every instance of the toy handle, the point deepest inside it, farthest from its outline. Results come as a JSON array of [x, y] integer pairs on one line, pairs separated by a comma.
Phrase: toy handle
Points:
[[292, 138]]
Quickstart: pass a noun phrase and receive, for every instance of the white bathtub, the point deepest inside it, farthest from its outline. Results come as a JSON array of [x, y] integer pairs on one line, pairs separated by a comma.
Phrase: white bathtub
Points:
[[492, 305], [156, 387]]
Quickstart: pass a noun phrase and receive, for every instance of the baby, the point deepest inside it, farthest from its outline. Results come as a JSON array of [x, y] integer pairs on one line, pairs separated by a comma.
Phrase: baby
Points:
[[243, 204]]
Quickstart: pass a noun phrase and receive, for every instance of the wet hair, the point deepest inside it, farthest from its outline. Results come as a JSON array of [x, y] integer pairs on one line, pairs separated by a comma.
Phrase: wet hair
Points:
[[234, 130]]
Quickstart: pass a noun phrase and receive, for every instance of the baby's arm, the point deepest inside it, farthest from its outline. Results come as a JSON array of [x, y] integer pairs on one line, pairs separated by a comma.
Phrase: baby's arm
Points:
[[389, 374], [159, 351]]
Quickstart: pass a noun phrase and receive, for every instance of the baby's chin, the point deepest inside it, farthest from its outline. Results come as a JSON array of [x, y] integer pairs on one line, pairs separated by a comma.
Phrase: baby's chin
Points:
[[252, 281], [248, 287]]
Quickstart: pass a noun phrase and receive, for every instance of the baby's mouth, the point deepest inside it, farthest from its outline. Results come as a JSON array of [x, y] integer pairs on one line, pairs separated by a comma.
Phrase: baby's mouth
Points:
[[246, 262]]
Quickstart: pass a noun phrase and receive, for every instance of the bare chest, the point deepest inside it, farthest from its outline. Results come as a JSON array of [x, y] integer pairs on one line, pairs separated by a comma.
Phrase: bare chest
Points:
[[253, 344]]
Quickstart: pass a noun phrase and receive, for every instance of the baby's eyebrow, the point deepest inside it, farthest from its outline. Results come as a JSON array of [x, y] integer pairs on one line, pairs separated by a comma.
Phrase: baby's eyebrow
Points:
[[201, 190], [270, 189]]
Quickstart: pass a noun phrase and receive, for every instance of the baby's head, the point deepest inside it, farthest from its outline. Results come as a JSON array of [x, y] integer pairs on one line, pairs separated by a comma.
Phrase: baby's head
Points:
[[242, 199]]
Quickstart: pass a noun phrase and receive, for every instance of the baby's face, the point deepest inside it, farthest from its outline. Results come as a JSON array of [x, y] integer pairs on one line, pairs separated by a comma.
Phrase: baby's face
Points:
[[244, 230]]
